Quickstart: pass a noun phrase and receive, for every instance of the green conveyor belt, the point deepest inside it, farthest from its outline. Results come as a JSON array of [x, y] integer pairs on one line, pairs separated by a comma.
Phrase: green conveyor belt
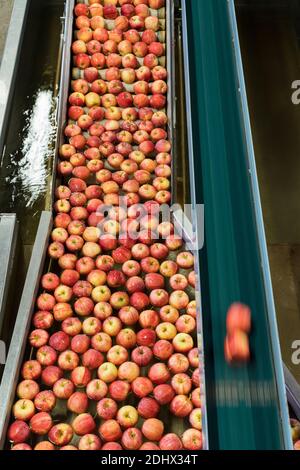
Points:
[[242, 403]]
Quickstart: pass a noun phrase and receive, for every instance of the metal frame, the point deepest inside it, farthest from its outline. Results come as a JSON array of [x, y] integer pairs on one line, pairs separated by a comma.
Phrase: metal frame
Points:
[[22, 325], [8, 243], [9, 62], [260, 231], [292, 390], [64, 84], [194, 214]]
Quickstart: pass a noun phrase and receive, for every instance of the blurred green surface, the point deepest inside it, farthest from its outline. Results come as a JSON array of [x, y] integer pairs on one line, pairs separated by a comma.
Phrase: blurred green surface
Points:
[[242, 402]]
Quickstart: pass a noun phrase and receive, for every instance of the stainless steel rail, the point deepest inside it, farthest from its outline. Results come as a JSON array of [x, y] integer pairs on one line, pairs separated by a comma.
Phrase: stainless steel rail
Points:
[[9, 63], [23, 321], [8, 244], [260, 231], [195, 220]]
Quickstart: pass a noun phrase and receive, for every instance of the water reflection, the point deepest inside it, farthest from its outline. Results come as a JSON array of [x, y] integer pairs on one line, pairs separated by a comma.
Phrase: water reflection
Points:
[[31, 164]]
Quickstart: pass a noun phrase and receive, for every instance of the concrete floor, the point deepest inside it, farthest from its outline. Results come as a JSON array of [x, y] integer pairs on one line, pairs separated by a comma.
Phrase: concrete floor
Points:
[[5, 12], [271, 58]]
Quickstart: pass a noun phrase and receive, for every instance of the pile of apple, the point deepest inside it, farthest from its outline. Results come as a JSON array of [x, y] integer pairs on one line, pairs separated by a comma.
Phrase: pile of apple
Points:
[[113, 337]]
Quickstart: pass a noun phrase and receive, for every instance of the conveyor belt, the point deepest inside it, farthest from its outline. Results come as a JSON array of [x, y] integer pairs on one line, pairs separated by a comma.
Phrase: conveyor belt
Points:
[[246, 406]]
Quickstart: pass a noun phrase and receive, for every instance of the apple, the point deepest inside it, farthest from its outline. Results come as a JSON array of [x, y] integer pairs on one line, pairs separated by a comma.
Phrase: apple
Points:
[[62, 220], [146, 337], [119, 390], [31, 370], [69, 448], [178, 282], [46, 355], [127, 9], [63, 388], [166, 331], [44, 445], [51, 374], [192, 439], [122, 23], [183, 342], [185, 324], [195, 419], [38, 338], [102, 342], [59, 341], [96, 23], [107, 372], [81, 376], [159, 297], [117, 355], [115, 279], [142, 386], [163, 350], [62, 311], [149, 446], [127, 416], [132, 439], [110, 12], [61, 434], [23, 409], [96, 389], [102, 310], [105, 262], [181, 383], [18, 432], [159, 373], [90, 326], [41, 423], [81, 9], [238, 318], [68, 360], [43, 320], [46, 301], [92, 359], [21, 446], [128, 315], [185, 260], [169, 314], [181, 406], [78, 402], [107, 408], [152, 22], [193, 357], [89, 442], [111, 446], [128, 371], [179, 299], [148, 408], [142, 355], [163, 394], [168, 268], [100, 34], [170, 442], [237, 349], [101, 294], [191, 309], [83, 424], [153, 429], [137, 22], [28, 389]]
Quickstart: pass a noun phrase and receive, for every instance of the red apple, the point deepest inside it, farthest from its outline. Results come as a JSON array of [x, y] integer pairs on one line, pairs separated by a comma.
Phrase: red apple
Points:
[[96, 389], [110, 430], [148, 408], [178, 363], [78, 402], [63, 388], [182, 384], [183, 342], [181, 406], [163, 350], [146, 337], [23, 410], [163, 394], [132, 439], [41, 423], [81, 376], [119, 390], [51, 374], [159, 297], [128, 315], [170, 442], [238, 318], [107, 408], [192, 439], [18, 432], [107, 372], [153, 429], [83, 424], [117, 355], [159, 373], [89, 442], [195, 419], [128, 371], [142, 356], [60, 434], [126, 338]]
